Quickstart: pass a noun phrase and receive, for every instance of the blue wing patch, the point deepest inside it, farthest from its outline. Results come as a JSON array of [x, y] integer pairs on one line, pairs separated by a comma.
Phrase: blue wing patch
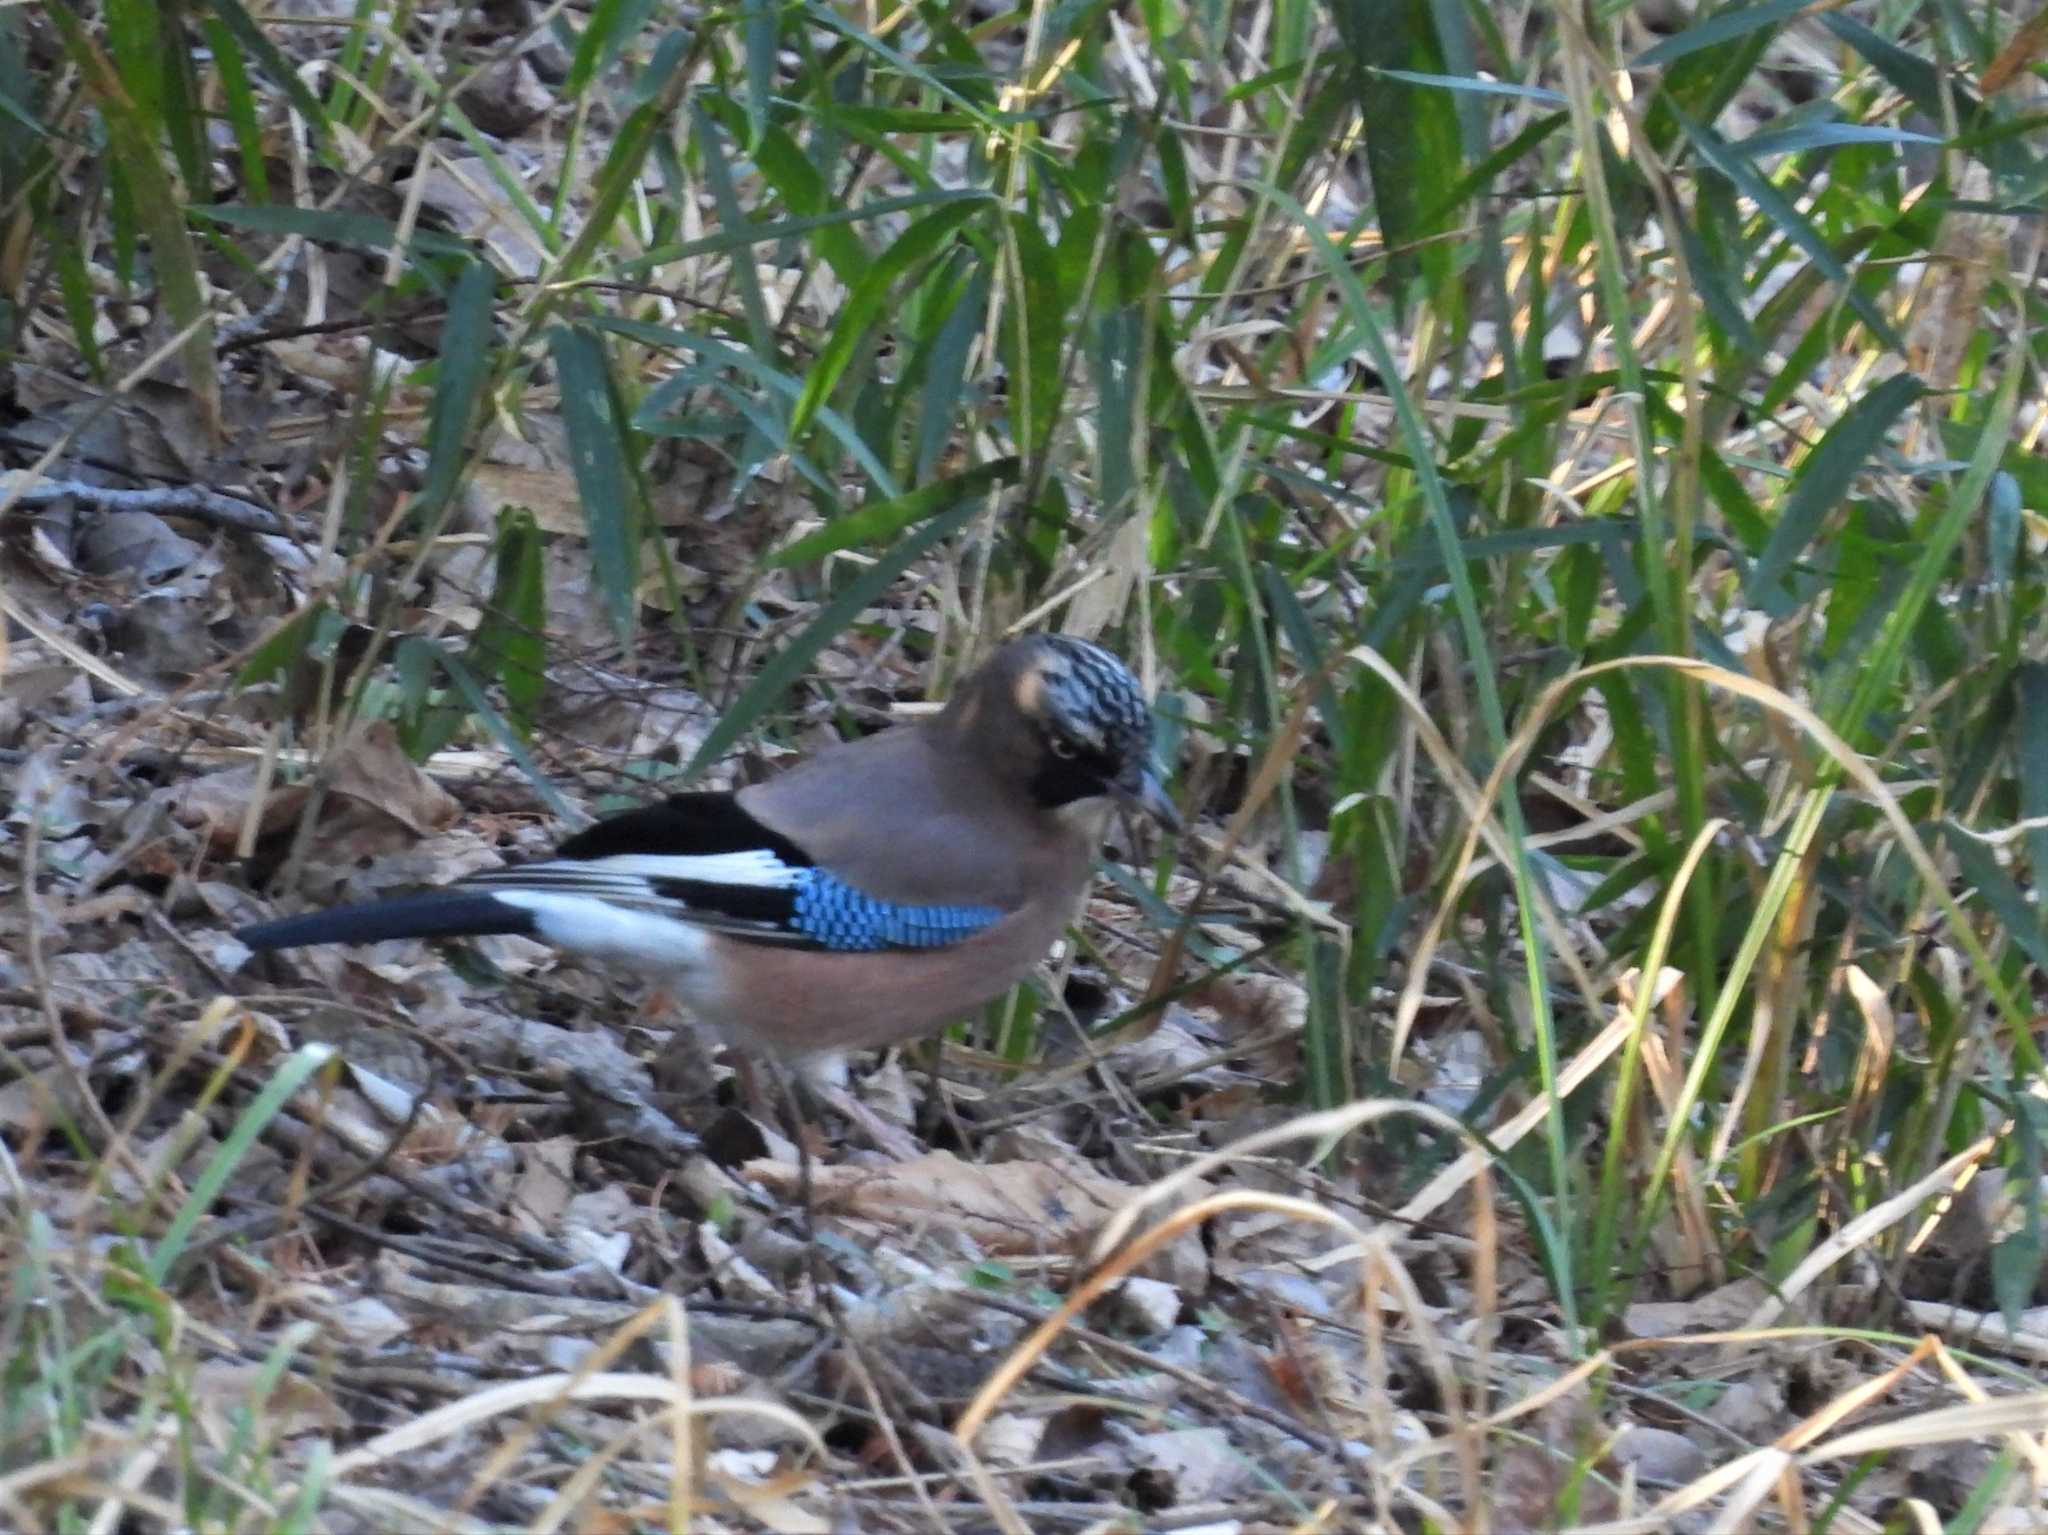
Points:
[[834, 915]]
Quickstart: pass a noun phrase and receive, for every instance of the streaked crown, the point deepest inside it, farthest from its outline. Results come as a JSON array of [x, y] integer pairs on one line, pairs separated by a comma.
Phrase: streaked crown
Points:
[[1087, 696]]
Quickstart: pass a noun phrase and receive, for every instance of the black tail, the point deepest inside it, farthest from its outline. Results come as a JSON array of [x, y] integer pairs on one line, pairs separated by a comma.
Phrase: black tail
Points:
[[435, 914]]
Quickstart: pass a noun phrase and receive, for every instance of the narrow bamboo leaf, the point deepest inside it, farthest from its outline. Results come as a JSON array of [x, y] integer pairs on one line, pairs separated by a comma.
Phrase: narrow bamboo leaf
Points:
[[2016, 1260], [181, 119], [604, 481], [658, 89], [758, 28], [244, 1456], [1474, 85], [347, 102], [891, 120], [1722, 27], [159, 207], [241, 1139], [1326, 1042], [794, 659], [511, 642], [1309, 651], [1999, 894], [1466, 186], [1944, 529], [362, 231], [733, 214], [1266, 80], [610, 27], [1719, 290], [2031, 683], [774, 378], [238, 104], [1035, 336], [1793, 224], [1117, 360], [1412, 141], [273, 64], [479, 704], [787, 229], [866, 304], [308, 634], [885, 519], [315, 1478], [946, 389], [135, 48], [2006, 524], [1916, 78], [22, 85], [459, 386], [828, 18], [789, 170], [81, 304], [1822, 483], [1823, 136]]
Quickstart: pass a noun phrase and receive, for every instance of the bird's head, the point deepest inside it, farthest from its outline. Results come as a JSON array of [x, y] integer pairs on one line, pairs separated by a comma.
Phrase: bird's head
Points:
[[1071, 719]]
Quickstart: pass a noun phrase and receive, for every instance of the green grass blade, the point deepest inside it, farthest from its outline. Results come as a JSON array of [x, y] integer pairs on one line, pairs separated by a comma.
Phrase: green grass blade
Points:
[[782, 670], [602, 456]]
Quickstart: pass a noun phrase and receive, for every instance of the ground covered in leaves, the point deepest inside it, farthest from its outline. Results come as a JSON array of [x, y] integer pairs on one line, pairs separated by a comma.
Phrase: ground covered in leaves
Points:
[[1585, 537]]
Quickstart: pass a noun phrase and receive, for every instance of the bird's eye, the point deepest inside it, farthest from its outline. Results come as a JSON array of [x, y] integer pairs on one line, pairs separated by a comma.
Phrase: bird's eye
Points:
[[1062, 748]]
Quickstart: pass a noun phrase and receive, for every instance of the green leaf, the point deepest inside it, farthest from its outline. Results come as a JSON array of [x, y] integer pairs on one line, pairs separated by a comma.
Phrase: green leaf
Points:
[[1822, 483], [659, 88], [868, 301], [2031, 684], [776, 381], [1472, 83], [612, 25], [2016, 1260], [238, 103], [1034, 335], [480, 706], [602, 459], [1412, 142], [290, 1076], [778, 230], [1724, 26], [2000, 895], [788, 664], [885, 519], [511, 642], [1823, 136], [759, 29], [1793, 224], [278, 70], [466, 353], [362, 231], [159, 206]]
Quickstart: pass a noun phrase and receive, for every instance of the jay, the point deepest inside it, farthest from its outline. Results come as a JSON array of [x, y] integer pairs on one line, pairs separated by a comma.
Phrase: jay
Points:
[[881, 889]]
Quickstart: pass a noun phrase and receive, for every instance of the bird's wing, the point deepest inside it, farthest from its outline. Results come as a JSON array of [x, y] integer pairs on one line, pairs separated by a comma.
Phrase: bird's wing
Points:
[[906, 820], [640, 884], [706, 859]]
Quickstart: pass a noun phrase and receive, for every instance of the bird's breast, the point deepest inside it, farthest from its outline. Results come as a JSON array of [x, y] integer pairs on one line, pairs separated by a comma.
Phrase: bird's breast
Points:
[[794, 1001]]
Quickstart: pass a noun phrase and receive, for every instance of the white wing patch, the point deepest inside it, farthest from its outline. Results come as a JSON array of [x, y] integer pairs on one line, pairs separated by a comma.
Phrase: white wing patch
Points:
[[618, 907], [589, 924], [630, 874], [757, 866]]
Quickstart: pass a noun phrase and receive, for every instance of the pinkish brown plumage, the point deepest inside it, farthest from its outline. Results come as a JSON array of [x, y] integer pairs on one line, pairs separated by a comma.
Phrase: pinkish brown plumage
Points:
[[881, 889]]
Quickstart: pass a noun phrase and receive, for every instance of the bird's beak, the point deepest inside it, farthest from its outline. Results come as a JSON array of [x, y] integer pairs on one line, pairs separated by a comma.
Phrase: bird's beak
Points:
[[1142, 790]]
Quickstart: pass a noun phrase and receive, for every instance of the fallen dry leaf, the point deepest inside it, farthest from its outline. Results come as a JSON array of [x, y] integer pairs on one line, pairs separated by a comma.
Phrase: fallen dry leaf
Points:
[[1043, 1207]]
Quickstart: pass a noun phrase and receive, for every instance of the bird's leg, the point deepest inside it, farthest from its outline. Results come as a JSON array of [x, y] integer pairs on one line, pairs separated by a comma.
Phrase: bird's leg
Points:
[[822, 1280], [824, 1077]]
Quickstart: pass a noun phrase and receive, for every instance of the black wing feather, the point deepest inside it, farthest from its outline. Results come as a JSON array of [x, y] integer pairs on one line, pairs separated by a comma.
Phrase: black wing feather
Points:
[[684, 826], [433, 914]]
